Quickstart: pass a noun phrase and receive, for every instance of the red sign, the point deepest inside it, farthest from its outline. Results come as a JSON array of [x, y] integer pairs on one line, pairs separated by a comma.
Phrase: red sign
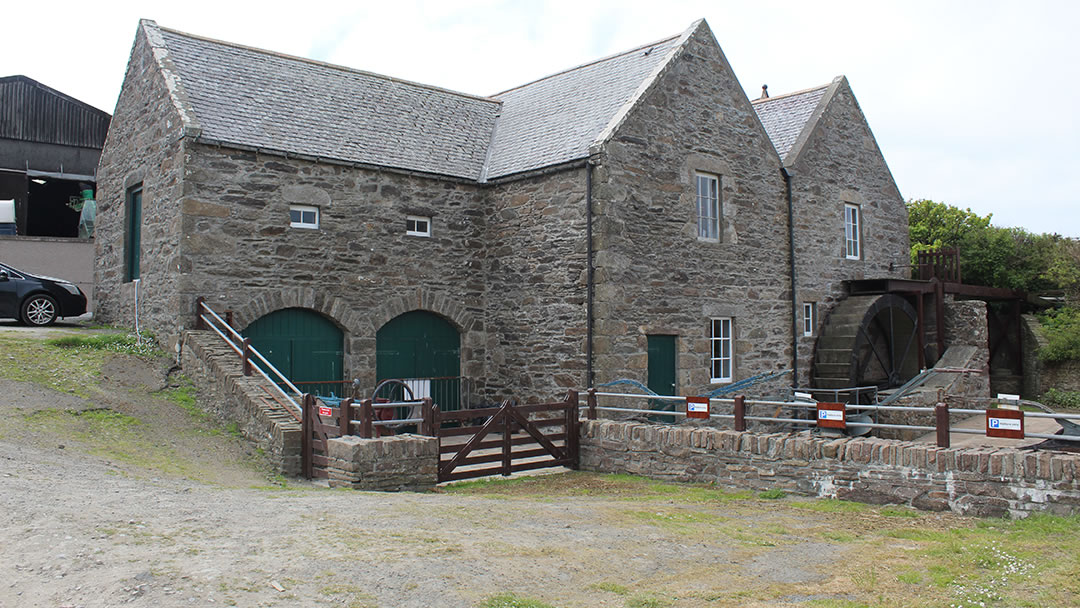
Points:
[[325, 411], [831, 415], [697, 407], [1005, 423]]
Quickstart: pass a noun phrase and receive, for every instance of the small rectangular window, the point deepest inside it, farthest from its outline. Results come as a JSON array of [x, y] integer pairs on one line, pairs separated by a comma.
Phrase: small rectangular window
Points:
[[303, 216], [708, 207], [809, 318], [721, 358], [852, 242], [418, 225], [132, 231]]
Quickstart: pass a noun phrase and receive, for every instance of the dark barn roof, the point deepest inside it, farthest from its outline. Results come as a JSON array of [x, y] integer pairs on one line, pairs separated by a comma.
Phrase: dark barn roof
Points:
[[31, 111]]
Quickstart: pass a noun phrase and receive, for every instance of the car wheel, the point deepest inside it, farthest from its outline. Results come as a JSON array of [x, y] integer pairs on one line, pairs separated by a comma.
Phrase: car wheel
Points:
[[39, 309]]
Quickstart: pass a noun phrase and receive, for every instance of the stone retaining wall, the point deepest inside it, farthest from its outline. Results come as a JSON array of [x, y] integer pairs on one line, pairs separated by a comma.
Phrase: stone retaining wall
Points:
[[217, 371], [400, 462], [973, 481]]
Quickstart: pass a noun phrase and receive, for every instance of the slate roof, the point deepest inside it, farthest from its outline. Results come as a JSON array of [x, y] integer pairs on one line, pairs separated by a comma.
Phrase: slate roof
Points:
[[785, 116], [555, 119], [259, 99]]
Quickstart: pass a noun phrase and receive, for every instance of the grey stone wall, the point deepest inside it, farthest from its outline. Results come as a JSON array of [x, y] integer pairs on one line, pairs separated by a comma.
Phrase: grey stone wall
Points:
[[976, 481], [536, 281], [841, 163], [401, 462], [216, 370], [144, 146], [653, 274]]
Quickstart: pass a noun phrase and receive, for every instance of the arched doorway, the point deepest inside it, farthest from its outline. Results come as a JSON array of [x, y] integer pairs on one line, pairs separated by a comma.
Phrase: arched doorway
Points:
[[423, 349], [304, 345]]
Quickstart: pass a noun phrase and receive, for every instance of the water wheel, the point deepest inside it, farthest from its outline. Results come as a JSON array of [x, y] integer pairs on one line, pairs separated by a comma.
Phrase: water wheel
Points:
[[868, 341]]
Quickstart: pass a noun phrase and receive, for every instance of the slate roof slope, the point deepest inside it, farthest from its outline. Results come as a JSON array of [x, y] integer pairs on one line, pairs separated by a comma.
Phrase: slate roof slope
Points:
[[555, 119], [785, 116], [260, 99]]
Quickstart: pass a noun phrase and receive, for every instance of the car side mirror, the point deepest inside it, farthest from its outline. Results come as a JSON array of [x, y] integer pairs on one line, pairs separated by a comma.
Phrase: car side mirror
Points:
[[4, 276]]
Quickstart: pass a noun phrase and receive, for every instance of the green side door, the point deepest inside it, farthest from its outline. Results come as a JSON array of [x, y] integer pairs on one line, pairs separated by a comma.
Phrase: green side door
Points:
[[661, 350], [420, 344], [305, 346]]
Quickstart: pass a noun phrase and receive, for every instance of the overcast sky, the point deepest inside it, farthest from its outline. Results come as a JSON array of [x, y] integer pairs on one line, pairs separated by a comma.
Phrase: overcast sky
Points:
[[972, 103]]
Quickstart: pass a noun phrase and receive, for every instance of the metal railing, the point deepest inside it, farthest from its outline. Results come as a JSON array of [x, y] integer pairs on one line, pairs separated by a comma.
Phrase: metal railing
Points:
[[249, 356], [941, 412]]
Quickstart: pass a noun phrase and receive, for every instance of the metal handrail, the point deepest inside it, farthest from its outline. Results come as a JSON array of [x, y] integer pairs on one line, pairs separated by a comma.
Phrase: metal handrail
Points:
[[252, 351], [805, 405]]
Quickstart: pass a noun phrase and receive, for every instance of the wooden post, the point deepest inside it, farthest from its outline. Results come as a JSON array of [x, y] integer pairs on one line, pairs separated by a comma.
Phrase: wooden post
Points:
[[345, 417], [591, 400], [228, 318], [939, 311], [367, 416], [572, 430], [941, 412], [245, 356], [508, 431], [427, 427], [740, 413], [921, 331], [306, 411], [200, 302]]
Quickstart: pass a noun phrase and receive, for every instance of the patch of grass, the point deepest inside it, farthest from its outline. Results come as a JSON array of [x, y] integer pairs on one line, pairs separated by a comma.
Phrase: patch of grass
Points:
[[681, 521], [647, 601], [836, 603], [838, 537], [577, 483], [830, 505], [899, 512], [910, 577], [610, 588], [135, 344], [76, 372], [773, 494], [509, 600]]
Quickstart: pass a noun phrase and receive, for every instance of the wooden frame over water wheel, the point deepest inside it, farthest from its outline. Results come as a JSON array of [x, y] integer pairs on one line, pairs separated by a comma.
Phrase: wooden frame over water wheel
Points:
[[868, 341]]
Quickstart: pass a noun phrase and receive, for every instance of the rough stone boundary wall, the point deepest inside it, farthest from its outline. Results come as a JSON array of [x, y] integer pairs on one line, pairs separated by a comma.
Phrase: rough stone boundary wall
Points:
[[217, 371], [973, 481], [399, 462]]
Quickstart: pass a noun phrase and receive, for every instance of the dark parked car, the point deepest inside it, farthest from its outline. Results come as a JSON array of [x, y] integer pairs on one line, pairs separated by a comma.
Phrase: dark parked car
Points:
[[37, 300]]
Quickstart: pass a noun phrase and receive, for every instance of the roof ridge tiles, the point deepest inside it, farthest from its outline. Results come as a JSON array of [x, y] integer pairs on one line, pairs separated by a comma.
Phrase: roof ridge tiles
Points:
[[327, 64], [587, 64], [792, 93]]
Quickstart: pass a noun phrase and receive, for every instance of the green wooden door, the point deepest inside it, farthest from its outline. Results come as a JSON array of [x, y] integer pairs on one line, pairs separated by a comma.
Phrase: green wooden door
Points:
[[420, 344], [304, 345], [662, 372]]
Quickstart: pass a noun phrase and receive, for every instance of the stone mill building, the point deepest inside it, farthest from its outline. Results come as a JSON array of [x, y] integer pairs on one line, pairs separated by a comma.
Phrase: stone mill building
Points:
[[633, 217]]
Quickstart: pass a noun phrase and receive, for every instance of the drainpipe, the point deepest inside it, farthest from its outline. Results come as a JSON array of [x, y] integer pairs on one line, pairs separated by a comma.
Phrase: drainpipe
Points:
[[589, 277], [794, 286]]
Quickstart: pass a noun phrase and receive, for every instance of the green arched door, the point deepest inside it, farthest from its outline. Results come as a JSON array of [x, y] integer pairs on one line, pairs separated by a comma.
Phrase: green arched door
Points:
[[424, 347], [304, 345]]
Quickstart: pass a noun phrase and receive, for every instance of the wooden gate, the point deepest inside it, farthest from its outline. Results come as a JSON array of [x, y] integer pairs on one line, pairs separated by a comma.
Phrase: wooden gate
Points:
[[320, 423], [516, 437]]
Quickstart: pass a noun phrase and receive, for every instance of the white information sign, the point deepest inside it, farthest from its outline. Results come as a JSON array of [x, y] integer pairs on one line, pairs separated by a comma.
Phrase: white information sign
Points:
[[1004, 424], [696, 408], [830, 415]]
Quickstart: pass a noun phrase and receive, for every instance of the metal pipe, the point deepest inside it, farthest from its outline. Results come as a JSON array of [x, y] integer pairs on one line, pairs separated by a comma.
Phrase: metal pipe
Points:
[[794, 285], [589, 277]]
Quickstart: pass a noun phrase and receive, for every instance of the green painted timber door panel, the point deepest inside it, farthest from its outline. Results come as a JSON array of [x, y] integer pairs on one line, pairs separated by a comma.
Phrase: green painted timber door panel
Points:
[[420, 344], [305, 346], [662, 364], [661, 381]]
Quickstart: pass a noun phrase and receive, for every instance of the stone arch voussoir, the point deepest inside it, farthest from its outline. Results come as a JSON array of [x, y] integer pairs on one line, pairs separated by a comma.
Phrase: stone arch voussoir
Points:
[[422, 299], [331, 307]]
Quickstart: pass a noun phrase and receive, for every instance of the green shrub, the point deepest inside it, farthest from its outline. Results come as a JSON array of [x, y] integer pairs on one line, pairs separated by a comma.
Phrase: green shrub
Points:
[[1057, 398], [1061, 328]]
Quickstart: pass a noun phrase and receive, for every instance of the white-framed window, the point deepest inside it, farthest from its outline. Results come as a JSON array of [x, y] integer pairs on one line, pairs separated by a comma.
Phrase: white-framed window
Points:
[[852, 228], [721, 358], [303, 216], [417, 225], [809, 318], [708, 207]]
